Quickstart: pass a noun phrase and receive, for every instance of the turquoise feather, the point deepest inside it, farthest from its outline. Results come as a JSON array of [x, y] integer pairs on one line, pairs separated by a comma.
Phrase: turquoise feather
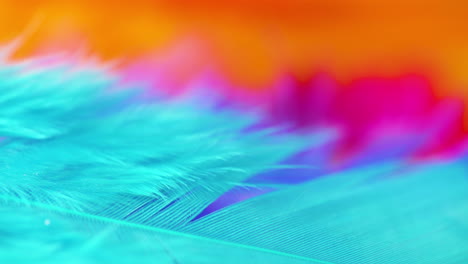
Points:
[[95, 174]]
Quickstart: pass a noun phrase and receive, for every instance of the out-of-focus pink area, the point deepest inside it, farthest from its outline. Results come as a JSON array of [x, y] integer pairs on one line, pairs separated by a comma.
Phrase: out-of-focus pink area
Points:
[[402, 109]]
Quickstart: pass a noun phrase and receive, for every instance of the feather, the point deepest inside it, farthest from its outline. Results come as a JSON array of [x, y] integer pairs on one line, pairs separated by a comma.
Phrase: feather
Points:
[[95, 174]]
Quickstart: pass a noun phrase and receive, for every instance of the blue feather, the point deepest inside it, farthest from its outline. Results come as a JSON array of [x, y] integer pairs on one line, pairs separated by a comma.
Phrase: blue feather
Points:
[[94, 174]]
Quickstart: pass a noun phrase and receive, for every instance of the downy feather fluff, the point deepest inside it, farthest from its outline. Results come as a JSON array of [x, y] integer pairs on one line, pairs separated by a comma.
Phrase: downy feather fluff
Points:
[[95, 174]]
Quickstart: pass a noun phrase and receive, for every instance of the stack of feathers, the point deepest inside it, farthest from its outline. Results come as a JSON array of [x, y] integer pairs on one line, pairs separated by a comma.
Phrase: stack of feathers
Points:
[[95, 172]]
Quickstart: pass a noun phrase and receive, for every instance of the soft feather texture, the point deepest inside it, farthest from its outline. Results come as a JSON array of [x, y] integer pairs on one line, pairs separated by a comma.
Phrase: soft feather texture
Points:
[[95, 174]]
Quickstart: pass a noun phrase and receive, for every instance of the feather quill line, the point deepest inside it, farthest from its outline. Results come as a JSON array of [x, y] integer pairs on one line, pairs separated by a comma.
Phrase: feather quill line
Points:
[[161, 230]]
